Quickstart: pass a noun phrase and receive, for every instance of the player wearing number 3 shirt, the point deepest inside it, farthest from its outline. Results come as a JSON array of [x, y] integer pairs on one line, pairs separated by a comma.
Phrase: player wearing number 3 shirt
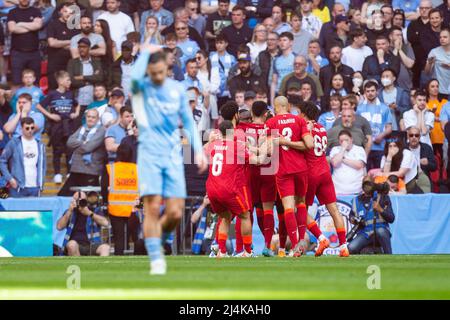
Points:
[[287, 131]]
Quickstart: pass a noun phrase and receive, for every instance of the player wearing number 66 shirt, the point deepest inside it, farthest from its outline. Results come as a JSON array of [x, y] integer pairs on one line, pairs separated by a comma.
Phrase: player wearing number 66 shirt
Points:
[[227, 185], [288, 131], [320, 183]]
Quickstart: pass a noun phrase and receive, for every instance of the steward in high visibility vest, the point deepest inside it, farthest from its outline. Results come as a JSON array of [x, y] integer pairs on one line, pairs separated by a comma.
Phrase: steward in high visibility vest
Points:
[[123, 188]]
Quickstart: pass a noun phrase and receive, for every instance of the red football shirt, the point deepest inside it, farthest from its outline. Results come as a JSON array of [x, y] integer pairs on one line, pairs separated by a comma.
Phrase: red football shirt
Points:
[[227, 161], [292, 128], [316, 157]]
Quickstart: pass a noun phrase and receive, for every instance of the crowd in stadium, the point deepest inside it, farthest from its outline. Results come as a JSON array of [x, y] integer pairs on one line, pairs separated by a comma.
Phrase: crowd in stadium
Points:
[[378, 72]]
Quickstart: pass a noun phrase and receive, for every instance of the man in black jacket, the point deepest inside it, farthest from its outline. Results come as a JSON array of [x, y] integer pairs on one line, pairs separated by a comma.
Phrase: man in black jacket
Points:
[[335, 66], [265, 58], [246, 80]]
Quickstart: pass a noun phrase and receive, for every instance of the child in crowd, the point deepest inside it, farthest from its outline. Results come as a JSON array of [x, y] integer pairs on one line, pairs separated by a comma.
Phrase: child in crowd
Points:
[[28, 79]]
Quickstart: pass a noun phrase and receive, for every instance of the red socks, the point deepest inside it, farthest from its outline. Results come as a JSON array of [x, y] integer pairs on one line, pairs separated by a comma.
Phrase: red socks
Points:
[[268, 227], [247, 243], [291, 226], [301, 220], [260, 217], [282, 234], [219, 221], [314, 229], [341, 236], [223, 242], [239, 241]]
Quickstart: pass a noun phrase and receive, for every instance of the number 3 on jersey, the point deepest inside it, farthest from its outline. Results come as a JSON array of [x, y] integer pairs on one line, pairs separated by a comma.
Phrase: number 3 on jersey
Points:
[[217, 163], [287, 134], [320, 145]]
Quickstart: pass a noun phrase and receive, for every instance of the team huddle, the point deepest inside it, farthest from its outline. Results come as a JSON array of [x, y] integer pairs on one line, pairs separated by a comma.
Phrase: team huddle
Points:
[[272, 160]]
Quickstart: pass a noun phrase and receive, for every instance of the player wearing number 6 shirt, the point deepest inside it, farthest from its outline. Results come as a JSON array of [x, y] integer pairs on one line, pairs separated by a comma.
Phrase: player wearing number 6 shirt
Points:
[[227, 185], [288, 131], [159, 103], [320, 183]]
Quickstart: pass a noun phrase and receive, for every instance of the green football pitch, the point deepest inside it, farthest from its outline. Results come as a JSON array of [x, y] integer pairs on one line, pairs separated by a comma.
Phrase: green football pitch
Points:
[[400, 277]]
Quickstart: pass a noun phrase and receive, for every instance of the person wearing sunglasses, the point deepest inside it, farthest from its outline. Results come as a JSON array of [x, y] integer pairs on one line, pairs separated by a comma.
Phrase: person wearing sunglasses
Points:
[[424, 157], [23, 162]]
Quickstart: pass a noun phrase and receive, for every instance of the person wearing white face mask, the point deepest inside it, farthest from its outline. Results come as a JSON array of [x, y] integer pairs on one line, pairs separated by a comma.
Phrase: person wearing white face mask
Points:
[[357, 81], [396, 98]]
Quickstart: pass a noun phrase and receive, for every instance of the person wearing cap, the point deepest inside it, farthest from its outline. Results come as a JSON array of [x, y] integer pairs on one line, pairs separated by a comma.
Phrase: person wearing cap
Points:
[[119, 74], [98, 44], [310, 22], [246, 80], [84, 72], [115, 103], [340, 34], [59, 34], [336, 9]]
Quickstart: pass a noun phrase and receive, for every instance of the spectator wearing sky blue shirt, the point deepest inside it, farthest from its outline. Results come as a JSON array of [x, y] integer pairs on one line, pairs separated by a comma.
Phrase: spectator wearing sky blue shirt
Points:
[[165, 17], [188, 47], [117, 132], [327, 119], [13, 126], [380, 119], [191, 79], [28, 79], [283, 64], [315, 60]]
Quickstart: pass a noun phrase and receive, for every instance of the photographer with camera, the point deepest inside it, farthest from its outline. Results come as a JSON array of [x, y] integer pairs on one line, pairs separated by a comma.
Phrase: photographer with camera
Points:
[[83, 221], [371, 214]]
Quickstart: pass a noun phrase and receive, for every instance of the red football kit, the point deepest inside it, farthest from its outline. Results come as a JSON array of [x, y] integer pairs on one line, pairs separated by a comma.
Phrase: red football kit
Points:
[[291, 177], [227, 183], [320, 183]]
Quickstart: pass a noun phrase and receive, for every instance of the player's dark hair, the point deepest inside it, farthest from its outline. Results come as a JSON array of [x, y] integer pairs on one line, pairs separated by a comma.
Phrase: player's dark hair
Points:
[[310, 110], [26, 120], [345, 133], [125, 109], [229, 110], [157, 57], [224, 126], [259, 108]]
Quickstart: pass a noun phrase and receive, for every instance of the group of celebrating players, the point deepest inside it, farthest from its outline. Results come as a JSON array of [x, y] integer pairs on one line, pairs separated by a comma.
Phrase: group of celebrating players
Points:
[[274, 160]]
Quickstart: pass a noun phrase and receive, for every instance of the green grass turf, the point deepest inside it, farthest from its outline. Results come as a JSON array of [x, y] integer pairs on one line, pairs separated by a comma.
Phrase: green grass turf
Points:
[[402, 277]]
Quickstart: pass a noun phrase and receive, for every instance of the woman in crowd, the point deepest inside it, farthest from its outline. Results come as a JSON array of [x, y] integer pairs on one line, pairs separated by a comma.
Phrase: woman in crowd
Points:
[[355, 17], [152, 34], [399, 20], [321, 11], [259, 41], [357, 81], [101, 27], [187, 46]]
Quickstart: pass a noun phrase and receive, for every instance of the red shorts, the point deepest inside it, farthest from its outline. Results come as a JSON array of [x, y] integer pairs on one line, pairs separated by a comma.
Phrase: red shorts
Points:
[[321, 186], [294, 184], [263, 187], [236, 201]]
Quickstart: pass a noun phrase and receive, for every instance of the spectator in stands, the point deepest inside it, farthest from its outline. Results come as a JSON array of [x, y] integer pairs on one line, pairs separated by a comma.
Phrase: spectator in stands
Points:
[[380, 119], [196, 20], [5, 112], [165, 17], [337, 9], [399, 21], [83, 225], [388, 15], [382, 59], [258, 42], [401, 162], [265, 58], [415, 29], [28, 86], [335, 66], [131, 141], [424, 157], [119, 23], [24, 23], [60, 32], [191, 78], [23, 110], [396, 98], [238, 32], [212, 6], [321, 11], [310, 22], [217, 21], [430, 37], [223, 61], [257, 9], [348, 161], [340, 35], [111, 114], [199, 112], [439, 63], [327, 119], [277, 16], [409, 7], [98, 44], [300, 76], [301, 37], [315, 60], [182, 15], [375, 28], [88, 154], [117, 132], [357, 84], [84, 72], [420, 116], [282, 64], [23, 162], [151, 32], [101, 28], [246, 80], [347, 122], [61, 108], [120, 72], [404, 51], [355, 54], [187, 46], [173, 69], [100, 100], [210, 79], [239, 98]]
